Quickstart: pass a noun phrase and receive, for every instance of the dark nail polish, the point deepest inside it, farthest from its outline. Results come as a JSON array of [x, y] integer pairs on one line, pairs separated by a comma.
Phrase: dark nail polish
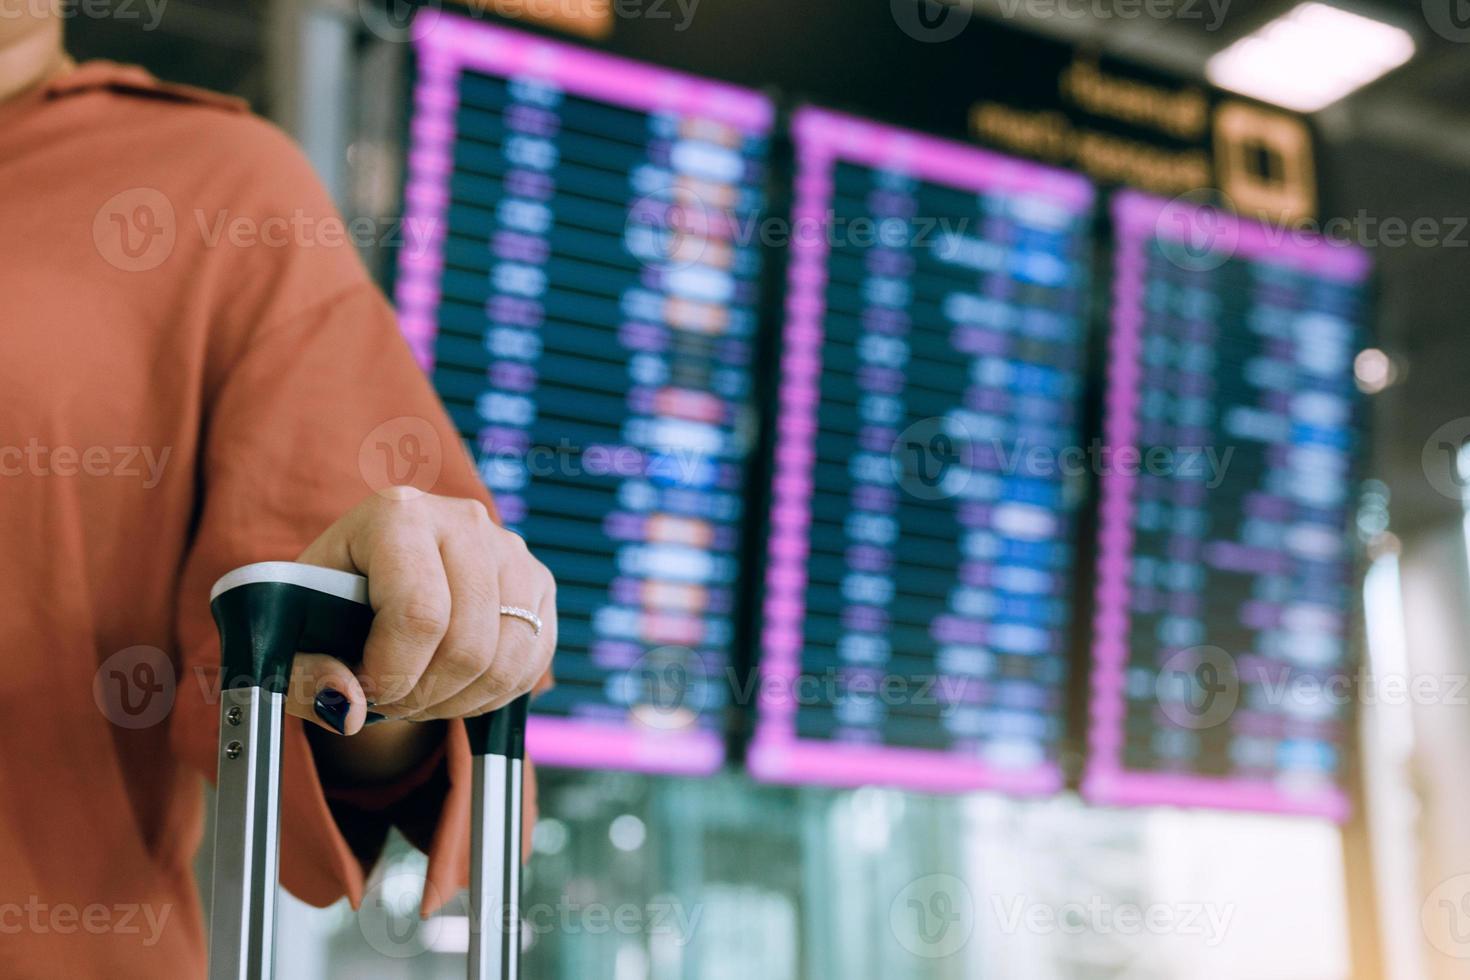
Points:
[[373, 718], [332, 706]]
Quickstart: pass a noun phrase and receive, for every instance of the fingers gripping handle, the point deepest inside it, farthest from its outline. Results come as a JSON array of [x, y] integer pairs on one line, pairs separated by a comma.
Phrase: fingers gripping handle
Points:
[[270, 611]]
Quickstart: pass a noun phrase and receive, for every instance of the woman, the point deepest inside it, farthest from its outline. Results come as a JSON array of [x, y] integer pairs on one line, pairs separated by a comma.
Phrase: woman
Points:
[[197, 374]]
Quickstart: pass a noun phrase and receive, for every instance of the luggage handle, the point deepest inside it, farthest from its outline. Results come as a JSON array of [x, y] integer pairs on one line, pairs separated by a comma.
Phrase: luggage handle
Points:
[[267, 613]]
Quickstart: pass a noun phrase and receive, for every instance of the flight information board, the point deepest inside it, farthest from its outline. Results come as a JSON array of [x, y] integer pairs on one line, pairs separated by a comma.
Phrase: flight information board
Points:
[[1220, 660], [585, 304], [916, 606]]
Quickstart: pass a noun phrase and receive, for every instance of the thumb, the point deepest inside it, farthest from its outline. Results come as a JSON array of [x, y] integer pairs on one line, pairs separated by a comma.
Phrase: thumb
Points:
[[324, 690]]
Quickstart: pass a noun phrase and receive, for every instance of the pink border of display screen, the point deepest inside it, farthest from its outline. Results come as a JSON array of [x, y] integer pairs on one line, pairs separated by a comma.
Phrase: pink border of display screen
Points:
[[1139, 218], [446, 46], [776, 753]]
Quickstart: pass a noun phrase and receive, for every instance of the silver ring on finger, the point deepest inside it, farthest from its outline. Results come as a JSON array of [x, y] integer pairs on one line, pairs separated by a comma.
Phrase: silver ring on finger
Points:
[[523, 614]]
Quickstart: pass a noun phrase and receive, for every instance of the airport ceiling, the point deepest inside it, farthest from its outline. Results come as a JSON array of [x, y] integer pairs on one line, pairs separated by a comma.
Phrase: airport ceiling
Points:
[[1398, 148]]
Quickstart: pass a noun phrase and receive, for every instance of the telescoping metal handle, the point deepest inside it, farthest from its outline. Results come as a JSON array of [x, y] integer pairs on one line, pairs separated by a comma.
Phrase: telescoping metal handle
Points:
[[266, 613], [498, 744]]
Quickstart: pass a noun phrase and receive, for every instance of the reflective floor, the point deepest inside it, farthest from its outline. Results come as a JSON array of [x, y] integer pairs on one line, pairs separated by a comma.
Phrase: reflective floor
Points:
[[722, 879]]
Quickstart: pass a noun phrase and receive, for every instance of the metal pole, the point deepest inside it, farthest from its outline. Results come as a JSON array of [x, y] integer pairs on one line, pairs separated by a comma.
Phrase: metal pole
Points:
[[246, 835], [495, 867]]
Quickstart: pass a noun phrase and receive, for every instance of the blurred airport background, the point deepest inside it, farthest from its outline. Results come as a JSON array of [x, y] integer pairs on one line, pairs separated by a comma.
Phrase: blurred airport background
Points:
[[881, 658]]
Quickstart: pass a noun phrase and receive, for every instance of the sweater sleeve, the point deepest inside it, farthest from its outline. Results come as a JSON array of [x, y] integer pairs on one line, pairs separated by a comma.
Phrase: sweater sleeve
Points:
[[312, 401]]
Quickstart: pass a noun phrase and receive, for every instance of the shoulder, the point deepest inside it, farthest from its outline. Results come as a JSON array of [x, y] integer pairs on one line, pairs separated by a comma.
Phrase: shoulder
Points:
[[208, 143], [246, 228]]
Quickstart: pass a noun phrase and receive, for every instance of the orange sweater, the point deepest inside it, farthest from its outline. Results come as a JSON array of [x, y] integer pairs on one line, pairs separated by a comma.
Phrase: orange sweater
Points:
[[193, 362]]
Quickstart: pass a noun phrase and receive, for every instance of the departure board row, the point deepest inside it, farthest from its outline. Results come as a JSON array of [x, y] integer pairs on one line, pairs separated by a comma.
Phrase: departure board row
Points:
[[589, 297], [1224, 576], [918, 572], [587, 315]]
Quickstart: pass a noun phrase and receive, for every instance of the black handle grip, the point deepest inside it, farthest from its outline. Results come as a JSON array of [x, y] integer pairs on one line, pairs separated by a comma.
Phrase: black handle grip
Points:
[[501, 732], [270, 611]]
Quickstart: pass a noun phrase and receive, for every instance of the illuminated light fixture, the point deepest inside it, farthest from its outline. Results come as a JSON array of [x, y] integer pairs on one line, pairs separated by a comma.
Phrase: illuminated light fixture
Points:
[[1374, 371], [1310, 57]]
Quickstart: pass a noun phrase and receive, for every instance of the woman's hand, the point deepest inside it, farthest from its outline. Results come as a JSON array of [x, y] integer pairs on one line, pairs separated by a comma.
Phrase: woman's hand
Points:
[[438, 571]]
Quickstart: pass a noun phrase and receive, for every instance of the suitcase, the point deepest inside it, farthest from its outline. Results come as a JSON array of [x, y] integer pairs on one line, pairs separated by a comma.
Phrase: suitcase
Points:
[[266, 613]]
